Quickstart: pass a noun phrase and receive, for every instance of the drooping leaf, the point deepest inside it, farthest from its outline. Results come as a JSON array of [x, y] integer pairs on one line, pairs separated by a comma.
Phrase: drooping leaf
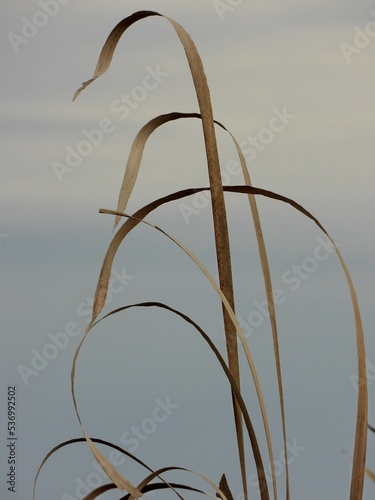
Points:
[[130, 176], [217, 197], [236, 391], [83, 440], [223, 252], [358, 471], [149, 487]]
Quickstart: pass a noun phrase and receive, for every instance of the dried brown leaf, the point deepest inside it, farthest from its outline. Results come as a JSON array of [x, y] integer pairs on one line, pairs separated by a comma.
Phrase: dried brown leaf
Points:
[[131, 172], [223, 485], [217, 196], [234, 386], [358, 471], [83, 440], [223, 252]]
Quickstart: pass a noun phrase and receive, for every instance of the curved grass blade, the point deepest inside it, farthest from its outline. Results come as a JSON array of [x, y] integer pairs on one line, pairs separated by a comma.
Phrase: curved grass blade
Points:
[[358, 471], [120, 481], [360, 444], [136, 153], [99, 490], [217, 196], [83, 440], [108, 49], [163, 486], [149, 487], [152, 476], [231, 315], [130, 176], [234, 386], [272, 315], [221, 235]]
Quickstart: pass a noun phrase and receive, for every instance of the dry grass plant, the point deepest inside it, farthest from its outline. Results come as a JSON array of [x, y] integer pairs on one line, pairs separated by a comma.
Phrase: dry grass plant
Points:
[[224, 290]]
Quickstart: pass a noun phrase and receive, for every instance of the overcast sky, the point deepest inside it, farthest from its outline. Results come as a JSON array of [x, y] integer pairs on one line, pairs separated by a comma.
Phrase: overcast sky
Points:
[[294, 82]]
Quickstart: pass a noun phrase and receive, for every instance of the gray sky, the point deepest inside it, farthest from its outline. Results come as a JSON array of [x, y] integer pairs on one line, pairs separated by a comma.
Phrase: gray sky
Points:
[[293, 81]]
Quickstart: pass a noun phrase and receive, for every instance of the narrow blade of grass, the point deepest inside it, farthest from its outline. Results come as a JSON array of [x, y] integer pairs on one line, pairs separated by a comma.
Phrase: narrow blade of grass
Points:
[[163, 486], [223, 252], [149, 487], [83, 440], [136, 152], [130, 176], [358, 472], [217, 197], [236, 391], [236, 325], [152, 476], [98, 491], [122, 483], [234, 386]]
